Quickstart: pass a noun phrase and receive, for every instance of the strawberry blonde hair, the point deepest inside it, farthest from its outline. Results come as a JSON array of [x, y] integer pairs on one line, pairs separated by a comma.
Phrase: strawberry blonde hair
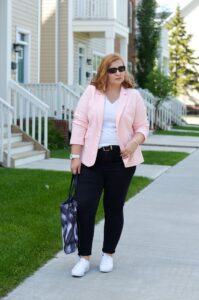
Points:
[[101, 78]]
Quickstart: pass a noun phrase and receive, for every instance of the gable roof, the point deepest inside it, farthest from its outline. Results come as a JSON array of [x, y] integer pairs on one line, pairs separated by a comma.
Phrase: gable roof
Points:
[[186, 9]]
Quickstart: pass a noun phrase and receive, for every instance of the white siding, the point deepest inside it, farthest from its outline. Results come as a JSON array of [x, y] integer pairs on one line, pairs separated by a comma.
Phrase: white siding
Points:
[[93, 43], [191, 20]]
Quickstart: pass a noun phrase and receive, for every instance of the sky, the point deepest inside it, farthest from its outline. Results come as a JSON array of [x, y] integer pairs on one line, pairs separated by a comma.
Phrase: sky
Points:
[[171, 4]]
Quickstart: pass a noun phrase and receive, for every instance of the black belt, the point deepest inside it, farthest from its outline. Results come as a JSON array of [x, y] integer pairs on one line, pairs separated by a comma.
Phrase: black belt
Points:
[[108, 148]]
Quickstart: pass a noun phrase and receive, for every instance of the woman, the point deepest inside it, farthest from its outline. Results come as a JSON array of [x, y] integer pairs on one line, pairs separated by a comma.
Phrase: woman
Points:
[[110, 123]]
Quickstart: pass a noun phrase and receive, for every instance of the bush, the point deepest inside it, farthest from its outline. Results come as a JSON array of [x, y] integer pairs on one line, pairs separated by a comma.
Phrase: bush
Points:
[[55, 139]]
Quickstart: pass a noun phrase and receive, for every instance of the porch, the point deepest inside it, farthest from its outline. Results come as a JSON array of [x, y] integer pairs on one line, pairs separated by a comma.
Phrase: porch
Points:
[[108, 17]]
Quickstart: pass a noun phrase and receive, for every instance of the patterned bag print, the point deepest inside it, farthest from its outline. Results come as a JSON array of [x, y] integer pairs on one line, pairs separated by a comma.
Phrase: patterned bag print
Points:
[[68, 211]]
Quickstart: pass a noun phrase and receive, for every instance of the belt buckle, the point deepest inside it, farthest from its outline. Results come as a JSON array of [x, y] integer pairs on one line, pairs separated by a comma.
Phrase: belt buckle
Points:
[[109, 148]]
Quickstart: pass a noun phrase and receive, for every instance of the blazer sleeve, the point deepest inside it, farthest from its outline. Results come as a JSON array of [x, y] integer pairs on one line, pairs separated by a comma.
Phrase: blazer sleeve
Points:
[[141, 123], [80, 119]]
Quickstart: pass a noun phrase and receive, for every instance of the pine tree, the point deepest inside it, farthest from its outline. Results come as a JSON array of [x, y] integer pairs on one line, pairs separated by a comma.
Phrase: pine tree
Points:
[[147, 40], [182, 66]]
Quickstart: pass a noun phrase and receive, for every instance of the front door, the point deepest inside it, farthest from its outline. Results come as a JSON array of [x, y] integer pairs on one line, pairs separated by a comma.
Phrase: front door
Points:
[[21, 64]]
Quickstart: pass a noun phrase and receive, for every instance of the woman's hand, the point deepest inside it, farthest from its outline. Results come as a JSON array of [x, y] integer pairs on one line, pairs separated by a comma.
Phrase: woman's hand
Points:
[[75, 165], [129, 149]]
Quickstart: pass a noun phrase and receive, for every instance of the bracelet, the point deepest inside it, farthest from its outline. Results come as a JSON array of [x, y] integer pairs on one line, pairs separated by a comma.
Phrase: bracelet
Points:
[[136, 142]]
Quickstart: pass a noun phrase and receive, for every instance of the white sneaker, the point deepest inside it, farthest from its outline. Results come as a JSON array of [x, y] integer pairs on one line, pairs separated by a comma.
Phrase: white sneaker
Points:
[[81, 267], [106, 264]]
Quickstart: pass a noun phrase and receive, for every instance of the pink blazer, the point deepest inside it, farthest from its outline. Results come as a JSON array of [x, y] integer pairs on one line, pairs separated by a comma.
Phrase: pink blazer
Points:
[[88, 118]]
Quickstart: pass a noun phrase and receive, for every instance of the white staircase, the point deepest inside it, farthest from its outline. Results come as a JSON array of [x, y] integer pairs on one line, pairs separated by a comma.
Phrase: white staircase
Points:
[[23, 149], [23, 128]]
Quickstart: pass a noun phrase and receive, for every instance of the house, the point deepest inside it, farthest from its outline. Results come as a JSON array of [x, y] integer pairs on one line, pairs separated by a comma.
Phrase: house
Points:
[[48, 41], [22, 115], [25, 41], [49, 50], [190, 13], [76, 34]]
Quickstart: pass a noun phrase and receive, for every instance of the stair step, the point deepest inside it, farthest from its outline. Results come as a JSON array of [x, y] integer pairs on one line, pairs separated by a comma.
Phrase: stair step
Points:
[[5, 129], [20, 147], [27, 157], [15, 137]]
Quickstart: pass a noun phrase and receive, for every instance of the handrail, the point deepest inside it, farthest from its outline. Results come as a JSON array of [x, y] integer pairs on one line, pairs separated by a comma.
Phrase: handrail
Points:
[[69, 89], [8, 106], [29, 112], [25, 92], [61, 99], [3, 122]]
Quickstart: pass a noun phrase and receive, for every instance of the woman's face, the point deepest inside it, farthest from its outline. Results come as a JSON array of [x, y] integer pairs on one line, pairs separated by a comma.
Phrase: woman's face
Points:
[[115, 75]]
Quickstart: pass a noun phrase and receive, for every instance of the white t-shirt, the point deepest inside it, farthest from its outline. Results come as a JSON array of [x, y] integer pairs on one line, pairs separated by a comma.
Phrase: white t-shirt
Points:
[[109, 132]]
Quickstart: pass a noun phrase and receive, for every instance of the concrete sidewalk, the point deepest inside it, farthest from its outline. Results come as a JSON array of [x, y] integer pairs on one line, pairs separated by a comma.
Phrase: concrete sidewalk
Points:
[[57, 164], [157, 257]]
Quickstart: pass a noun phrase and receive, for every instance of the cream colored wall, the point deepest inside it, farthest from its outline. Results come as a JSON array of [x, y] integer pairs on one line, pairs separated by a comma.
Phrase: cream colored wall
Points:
[[63, 40], [191, 15], [191, 20], [47, 72], [25, 14]]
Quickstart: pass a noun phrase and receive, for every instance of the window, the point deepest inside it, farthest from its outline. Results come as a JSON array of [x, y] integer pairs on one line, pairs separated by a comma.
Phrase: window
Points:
[[81, 65], [96, 61]]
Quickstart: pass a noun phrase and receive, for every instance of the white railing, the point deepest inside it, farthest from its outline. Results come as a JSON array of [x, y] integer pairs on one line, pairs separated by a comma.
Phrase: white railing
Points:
[[6, 114], [101, 9], [149, 102], [170, 111], [147, 96], [91, 9], [30, 113], [151, 114], [61, 99], [163, 116], [78, 89], [178, 110]]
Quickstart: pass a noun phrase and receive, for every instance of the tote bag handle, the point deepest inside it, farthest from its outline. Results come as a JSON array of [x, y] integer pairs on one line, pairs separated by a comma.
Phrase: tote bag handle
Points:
[[73, 185]]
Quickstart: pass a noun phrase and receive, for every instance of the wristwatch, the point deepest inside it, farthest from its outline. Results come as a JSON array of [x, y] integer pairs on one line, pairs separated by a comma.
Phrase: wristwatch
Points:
[[72, 156]]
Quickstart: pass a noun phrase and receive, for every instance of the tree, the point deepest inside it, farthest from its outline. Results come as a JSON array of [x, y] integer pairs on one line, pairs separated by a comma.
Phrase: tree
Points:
[[147, 40], [182, 66], [158, 83], [160, 86]]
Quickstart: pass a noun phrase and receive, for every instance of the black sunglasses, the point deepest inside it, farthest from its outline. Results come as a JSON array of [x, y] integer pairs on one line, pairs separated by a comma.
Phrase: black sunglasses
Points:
[[114, 70]]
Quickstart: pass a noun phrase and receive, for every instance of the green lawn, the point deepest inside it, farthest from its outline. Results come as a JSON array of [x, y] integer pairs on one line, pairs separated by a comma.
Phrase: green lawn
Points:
[[60, 153], [196, 128], [150, 157], [163, 157], [30, 230], [169, 132]]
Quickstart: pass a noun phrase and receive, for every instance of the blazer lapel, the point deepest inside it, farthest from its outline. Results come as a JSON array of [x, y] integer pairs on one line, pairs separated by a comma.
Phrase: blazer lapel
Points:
[[99, 109], [121, 105]]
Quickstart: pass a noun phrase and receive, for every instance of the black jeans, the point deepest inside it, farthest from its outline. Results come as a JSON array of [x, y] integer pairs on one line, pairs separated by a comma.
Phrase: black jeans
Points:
[[108, 174]]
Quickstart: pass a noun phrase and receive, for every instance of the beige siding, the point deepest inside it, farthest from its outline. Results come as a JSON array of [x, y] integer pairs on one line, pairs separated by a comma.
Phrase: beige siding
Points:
[[63, 40], [25, 15], [97, 42], [48, 19]]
